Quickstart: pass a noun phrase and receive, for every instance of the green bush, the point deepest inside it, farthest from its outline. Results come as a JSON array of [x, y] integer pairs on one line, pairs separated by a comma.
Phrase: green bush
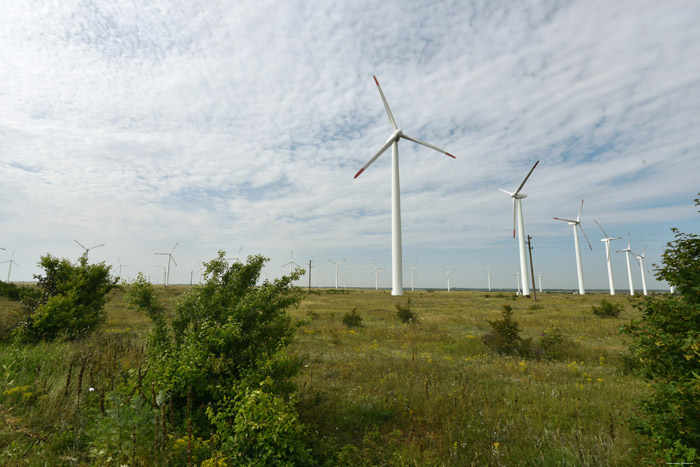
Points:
[[504, 336], [352, 319], [69, 301], [607, 309], [405, 314], [554, 345]]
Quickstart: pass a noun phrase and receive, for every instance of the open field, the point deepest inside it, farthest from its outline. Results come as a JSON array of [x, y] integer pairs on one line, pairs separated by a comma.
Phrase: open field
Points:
[[387, 393]]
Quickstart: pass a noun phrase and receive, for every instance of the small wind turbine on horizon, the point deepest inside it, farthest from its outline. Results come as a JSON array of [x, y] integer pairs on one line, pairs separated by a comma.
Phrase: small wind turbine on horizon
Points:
[[376, 275], [640, 261], [393, 141], [627, 252], [413, 273], [170, 258], [291, 263], [11, 261], [448, 271], [120, 267], [577, 225], [539, 281], [336, 270], [87, 250], [488, 275], [236, 258], [518, 220], [607, 241], [517, 276]]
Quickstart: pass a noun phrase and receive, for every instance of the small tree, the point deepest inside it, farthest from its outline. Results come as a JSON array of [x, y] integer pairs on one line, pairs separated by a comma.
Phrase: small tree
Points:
[[505, 336], [69, 301]]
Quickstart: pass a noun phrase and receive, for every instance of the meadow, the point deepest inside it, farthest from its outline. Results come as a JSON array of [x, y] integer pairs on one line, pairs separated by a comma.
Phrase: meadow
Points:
[[385, 393]]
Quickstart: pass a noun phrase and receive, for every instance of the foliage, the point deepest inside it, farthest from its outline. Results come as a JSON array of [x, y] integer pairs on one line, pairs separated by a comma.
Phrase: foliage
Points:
[[13, 291], [607, 309], [69, 301], [504, 336], [405, 314], [352, 319], [666, 350], [554, 345]]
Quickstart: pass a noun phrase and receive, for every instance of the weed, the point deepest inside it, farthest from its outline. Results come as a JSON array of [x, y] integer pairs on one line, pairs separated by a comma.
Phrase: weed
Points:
[[352, 319], [405, 314], [607, 309]]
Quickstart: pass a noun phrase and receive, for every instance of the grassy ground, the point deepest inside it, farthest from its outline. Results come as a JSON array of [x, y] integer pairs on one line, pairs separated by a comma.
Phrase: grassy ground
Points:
[[385, 393]]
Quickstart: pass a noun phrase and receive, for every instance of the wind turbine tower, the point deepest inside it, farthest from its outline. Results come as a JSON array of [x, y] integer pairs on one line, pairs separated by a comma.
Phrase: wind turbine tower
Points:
[[448, 271], [11, 261], [376, 275], [393, 141], [577, 225], [120, 267], [413, 273], [291, 263], [607, 241], [539, 281], [488, 276], [640, 260], [518, 219], [627, 252], [170, 258], [336, 271], [517, 276], [87, 250]]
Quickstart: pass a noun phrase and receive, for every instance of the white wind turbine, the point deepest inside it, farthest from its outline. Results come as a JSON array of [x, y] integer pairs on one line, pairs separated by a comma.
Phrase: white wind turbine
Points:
[[448, 271], [291, 263], [539, 281], [517, 277], [518, 219], [640, 260], [607, 241], [236, 258], [87, 250], [627, 252], [413, 273], [170, 258], [121, 266], [376, 275], [577, 225], [336, 271], [488, 275], [11, 261], [393, 141]]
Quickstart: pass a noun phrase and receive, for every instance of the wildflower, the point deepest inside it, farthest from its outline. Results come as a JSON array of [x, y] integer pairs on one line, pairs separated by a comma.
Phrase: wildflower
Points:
[[601, 360], [588, 379], [495, 446], [600, 380]]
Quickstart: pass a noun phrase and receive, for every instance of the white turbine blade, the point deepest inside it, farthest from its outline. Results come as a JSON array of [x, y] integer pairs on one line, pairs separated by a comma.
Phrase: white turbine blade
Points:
[[428, 145], [171, 257], [386, 105], [374, 158], [166, 254], [601, 229], [176, 244], [506, 192], [528, 176], [578, 218], [514, 209], [565, 220], [93, 247], [81, 245], [585, 236]]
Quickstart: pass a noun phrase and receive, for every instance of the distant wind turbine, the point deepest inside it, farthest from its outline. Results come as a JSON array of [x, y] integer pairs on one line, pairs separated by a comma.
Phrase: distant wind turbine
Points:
[[488, 275], [640, 261], [517, 276], [577, 225], [607, 241], [393, 141], [336, 271], [518, 219], [87, 250], [627, 252], [448, 271], [539, 281], [236, 258], [376, 275], [291, 264], [11, 261], [121, 266], [170, 258], [413, 273]]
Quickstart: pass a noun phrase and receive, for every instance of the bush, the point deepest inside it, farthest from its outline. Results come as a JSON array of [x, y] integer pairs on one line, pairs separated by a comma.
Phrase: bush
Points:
[[69, 299], [405, 314], [554, 345], [352, 319], [505, 338], [607, 309]]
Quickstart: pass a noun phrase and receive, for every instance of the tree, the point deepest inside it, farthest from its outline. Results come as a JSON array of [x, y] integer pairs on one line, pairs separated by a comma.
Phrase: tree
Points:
[[666, 351]]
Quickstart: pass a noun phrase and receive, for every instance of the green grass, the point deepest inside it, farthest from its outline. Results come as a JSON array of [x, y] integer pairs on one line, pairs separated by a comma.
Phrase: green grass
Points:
[[386, 393]]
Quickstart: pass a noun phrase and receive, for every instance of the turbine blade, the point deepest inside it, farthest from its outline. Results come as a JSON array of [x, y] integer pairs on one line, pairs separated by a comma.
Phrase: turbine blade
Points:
[[81, 245], [565, 220], [586, 236], [506, 192], [601, 229], [578, 218], [528, 176], [176, 244], [93, 247], [514, 209], [386, 105], [171, 257], [374, 158], [428, 145]]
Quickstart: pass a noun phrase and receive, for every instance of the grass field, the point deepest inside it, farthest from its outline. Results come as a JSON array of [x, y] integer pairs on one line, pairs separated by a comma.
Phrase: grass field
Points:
[[385, 393]]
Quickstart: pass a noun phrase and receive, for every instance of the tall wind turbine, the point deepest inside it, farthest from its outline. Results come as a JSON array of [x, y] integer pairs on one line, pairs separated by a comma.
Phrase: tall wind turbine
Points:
[[11, 261], [336, 271], [607, 241], [627, 252], [577, 225], [518, 219], [640, 260], [413, 273], [448, 271], [393, 141], [170, 258], [87, 250], [376, 275], [488, 275], [291, 263]]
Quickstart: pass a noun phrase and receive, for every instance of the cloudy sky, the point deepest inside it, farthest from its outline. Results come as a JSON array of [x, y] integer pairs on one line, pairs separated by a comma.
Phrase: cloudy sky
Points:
[[229, 125]]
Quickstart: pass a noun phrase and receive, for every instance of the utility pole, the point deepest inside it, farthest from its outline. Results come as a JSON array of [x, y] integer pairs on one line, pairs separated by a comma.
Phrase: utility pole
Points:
[[310, 275], [532, 269]]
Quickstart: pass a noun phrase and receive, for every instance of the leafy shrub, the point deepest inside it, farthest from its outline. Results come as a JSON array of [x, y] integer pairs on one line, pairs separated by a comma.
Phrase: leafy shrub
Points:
[[405, 314], [607, 309], [352, 319], [554, 345], [69, 301], [13, 291], [504, 336]]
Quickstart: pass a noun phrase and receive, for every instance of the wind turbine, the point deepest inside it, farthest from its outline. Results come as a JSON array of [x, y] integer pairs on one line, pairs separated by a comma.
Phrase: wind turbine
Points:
[[517, 277], [11, 261], [577, 225], [518, 216], [413, 273], [170, 258], [607, 241], [448, 271], [627, 252], [640, 260], [291, 263], [336, 271], [87, 250], [393, 141], [539, 281], [488, 275], [121, 266], [236, 259], [376, 275]]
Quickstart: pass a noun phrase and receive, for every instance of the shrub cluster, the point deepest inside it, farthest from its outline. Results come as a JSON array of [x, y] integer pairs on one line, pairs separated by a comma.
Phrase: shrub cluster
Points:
[[504, 336], [607, 309], [352, 319], [405, 314]]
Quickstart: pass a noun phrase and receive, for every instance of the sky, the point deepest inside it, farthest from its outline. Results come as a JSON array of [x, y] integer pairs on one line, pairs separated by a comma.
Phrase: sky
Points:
[[228, 125]]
